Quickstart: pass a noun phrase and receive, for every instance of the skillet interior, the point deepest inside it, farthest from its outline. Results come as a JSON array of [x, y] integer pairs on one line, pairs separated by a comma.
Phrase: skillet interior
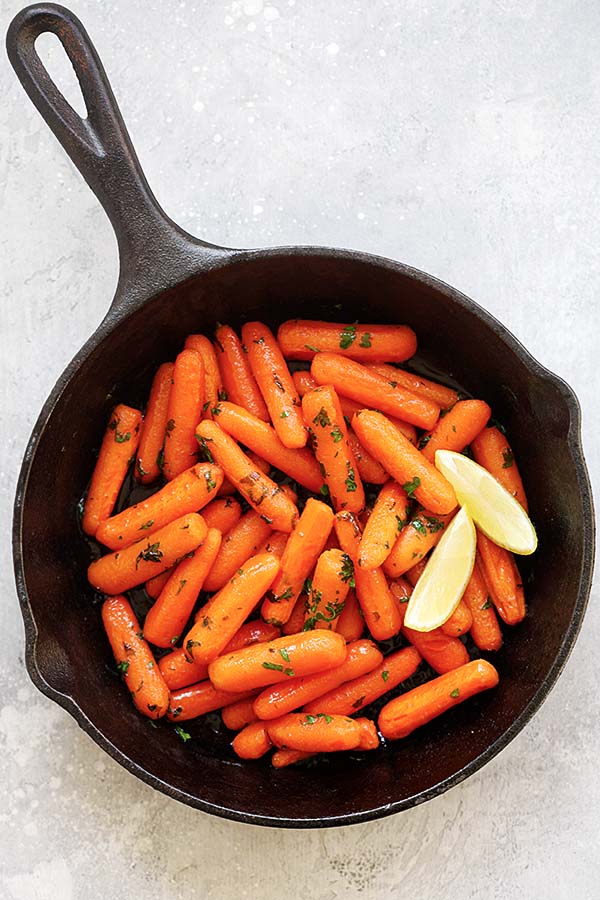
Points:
[[71, 658]]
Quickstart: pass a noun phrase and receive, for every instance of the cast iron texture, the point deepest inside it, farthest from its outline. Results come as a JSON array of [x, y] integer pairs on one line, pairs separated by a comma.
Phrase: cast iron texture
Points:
[[172, 284]]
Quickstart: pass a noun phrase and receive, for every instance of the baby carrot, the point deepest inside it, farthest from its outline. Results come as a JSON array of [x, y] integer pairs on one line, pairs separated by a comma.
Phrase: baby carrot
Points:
[[120, 571], [295, 623], [275, 544], [414, 573], [223, 514], [187, 492], [286, 657], [252, 742], [378, 605], [134, 658], [249, 430], [441, 651], [423, 387], [459, 622], [405, 463], [389, 514], [226, 611], [239, 382], [302, 550], [417, 537], [284, 697], [457, 428], [303, 382], [315, 734], [155, 585], [166, 619], [350, 407], [503, 580], [241, 542], [119, 445], [492, 451], [263, 494], [352, 380], [329, 436], [328, 589], [369, 739], [213, 385], [351, 623], [303, 338], [401, 716], [199, 699], [239, 714], [485, 630], [275, 382], [282, 758], [368, 468], [152, 436], [186, 400]]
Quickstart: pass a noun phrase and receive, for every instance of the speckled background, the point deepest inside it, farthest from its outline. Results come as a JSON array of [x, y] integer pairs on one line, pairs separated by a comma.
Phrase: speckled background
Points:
[[460, 137]]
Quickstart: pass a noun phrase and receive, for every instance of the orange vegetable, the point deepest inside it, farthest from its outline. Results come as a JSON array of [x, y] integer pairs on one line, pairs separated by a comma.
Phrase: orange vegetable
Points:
[[295, 623], [155, 585], [401, 716], [457, 428], [414, 573], [368, 467], [405, 463], [352, 380], [440, 650], [286, 657], [213, 384], [503, 580], [119, 445], [315, 734], [120, 571], [303, 382], [183, 413], [263, 494], [485, 630], [492, 451], [275, 543], [244, 539], [423, 387], [390, 512], [239, 382], [134, 658], [238, 715], [197, 700], [223, 514], [186, 493], [459, 622], [369, 739], [351, 407], [275, 382], [283, 758], [152, 435], [252, 742], [303, 338], [328, 589], [418, 536], [351, 623]]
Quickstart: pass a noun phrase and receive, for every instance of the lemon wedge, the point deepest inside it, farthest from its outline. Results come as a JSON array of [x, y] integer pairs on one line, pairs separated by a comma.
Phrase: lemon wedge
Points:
[[445, 577], [492, 508]]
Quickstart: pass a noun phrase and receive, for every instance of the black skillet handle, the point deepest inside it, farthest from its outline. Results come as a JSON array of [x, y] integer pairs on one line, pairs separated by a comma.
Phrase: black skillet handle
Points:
[[154, 252]]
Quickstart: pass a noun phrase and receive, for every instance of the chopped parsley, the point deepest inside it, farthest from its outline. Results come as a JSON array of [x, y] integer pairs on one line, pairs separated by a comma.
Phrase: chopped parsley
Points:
[[365, 340], [487, 603], [411, 486], [347, 570], [508, 457], [385, 674], [274, 666], [121, 438], [170, 425], [206, 452], [350, 482], [284, 414], [146, 525], [337, 434], [141, 470], [122, 667], [152, 553], [347, 336], [284, 655], [322, 418], [182, 584], [324, 490], [424, 441], [455, 693], [312, 349], [210, 482], [184, 735]]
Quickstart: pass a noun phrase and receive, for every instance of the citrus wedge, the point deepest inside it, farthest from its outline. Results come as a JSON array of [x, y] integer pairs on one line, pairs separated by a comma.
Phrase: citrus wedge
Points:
[[445, 577], [492, 508]]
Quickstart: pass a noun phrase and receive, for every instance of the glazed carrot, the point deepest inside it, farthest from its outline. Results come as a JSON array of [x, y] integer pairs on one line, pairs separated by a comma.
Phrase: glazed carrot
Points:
[[369, 739], [120, 571], [238, 715], [431, 390], [252, 742], [283, 758], [227, 488], [389, 514], [351, 623], [241, 542], [401, 716], [152, 435], [329, 437], [275, 543], [223, 514], [258, 436], [418, 536], [315, 734], [258, 462], [492, 451], [350, 407], [485, 630], [328, 589], [155, 585], [213, 384], [303, 548], [199, 699], [349, 698], [226, 611], [368, 468], [459, 622], [286, 657], [295, 623], [275, 382], [457, 428], [134, 658], [239, 382], [303, 382], [166, 619], [263, 494], [405, 463], [378, 605], [503, 580], [303, 338], [414, 573], [284, 697], [440, 650], [119, 445], [186, 400], [186, 493], [350, 379]]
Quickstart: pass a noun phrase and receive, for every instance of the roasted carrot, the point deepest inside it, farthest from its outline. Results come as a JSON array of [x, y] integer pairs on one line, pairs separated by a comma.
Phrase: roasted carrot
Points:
[[252, 742], [303, 338], [389, 515], [239, 714], [186, 400], [423, 387], [369, 739], [213, 383], [263, 494], [328, 588], [155, 585], [303, 548], [368, 468], [351, 379], [457, 428], [503, 580], [440, 650], [286, 657], [314, 734], [417, 537], [223, 514], [120, 571], [134, 658], [485, 630], [401, 716], [492, 451], [238, 381], [405, 463], [166, 619], [244, 539], [187, 492], [459, 622], [351, 623], [295, 623], [275, 382], [119, 445], [152, 435], [199, 699]]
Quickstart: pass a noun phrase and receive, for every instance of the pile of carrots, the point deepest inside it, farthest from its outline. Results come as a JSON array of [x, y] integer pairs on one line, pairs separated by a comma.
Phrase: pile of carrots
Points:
[[289, 599]]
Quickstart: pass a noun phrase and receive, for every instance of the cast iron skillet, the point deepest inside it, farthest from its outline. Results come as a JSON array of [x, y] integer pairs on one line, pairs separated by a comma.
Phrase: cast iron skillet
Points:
[[171, 284]]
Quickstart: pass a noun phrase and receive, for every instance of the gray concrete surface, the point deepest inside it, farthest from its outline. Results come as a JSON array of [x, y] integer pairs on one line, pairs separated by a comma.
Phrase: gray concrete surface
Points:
[[460, 137]]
